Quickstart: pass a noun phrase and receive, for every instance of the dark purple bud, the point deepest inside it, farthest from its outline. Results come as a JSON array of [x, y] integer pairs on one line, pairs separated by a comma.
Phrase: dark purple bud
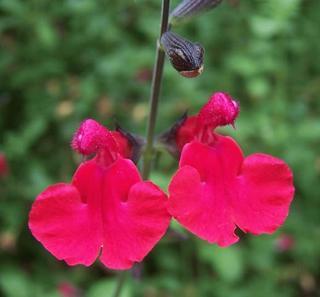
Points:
[[189, 8], [186, 57]]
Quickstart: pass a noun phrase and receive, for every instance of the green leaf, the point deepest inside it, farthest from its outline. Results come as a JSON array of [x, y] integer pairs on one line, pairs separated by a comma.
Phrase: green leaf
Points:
[[227, 262], [14, 283]]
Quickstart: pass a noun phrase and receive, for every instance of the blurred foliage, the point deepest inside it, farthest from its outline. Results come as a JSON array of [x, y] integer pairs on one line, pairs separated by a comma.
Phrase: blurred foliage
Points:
[[65, 60]]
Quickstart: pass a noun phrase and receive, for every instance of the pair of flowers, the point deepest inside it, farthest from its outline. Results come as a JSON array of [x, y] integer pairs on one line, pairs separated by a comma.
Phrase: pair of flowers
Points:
[[108, 210]]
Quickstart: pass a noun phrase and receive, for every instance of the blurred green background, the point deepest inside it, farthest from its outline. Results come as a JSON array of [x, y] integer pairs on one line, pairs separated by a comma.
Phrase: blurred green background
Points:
[[66, 60]]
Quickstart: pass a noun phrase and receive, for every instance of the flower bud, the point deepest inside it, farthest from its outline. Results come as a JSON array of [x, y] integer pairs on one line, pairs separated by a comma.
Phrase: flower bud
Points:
[[189, 8], [186, 57], [220, 110]]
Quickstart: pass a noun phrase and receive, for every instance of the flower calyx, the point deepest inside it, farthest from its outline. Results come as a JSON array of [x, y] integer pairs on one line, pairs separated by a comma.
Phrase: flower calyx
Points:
[[220, 110], [168, 138], [132, 145]]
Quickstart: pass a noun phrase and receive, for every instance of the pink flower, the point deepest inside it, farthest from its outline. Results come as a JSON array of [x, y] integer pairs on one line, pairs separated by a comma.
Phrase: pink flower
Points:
[[107, 209], [217, 189], [3, 166]]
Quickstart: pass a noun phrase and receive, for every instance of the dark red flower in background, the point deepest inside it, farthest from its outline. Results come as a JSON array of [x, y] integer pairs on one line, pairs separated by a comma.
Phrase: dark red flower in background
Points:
[[284, 243], [217, 189], [3, 165], [107, 209], [67, 289]]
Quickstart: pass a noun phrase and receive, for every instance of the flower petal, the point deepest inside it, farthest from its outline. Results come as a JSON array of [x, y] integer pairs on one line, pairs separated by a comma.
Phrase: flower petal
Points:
[[61, 222], [200, 209], [221, 160], [201, 190], [135, 216], [265, 193]]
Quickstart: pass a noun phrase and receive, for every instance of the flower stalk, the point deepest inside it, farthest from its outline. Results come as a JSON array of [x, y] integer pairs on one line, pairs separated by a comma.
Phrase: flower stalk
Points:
[[155, 92], [120, 282]]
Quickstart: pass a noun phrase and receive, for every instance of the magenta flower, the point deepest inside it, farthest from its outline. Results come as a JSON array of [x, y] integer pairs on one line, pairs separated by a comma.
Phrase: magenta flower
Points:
[[107, 209], [217, 189]]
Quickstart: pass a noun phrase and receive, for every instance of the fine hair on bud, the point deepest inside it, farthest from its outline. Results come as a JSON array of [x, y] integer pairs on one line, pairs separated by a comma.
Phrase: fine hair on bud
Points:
[[185, 56]]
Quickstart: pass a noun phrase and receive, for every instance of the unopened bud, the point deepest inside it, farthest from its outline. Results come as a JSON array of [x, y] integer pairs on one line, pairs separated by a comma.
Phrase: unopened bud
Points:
[[189, 8], [186, 57]]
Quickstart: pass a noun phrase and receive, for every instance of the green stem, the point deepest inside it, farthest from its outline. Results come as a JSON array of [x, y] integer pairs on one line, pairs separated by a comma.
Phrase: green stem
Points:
[[154, 102], [120, 283], [155, 92]]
